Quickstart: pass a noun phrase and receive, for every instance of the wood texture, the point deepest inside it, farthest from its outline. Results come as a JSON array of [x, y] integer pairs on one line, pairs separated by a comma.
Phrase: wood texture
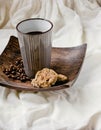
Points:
[[67, 61]]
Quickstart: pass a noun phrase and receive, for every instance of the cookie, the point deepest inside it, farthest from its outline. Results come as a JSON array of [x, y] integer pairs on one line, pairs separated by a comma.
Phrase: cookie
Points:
[[45, 78], [62, 77]]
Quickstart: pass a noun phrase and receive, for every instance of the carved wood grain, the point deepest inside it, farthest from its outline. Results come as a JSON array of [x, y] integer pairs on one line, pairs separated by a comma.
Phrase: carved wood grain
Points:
[[67, 61]]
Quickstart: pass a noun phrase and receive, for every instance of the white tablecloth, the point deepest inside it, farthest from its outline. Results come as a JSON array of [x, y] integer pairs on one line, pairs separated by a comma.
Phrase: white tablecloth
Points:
[[76, 108]]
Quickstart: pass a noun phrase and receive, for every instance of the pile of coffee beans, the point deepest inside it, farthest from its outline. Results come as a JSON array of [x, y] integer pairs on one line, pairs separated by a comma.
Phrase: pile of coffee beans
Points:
[[16, 71]]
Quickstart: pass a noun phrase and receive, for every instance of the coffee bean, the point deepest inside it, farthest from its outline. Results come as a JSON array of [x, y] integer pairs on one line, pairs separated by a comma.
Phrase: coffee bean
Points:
[[7, 72], [21, 65], [16, 71], [18, 74], [18, 78], [13, 76], [14, 68], [13, 72], [27, 78], [20, 70], [22, 79], [16, 63], [9, 76]]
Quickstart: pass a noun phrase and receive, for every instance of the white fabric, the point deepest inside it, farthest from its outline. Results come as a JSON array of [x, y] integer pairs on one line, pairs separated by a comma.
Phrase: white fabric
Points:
[[76, 108]]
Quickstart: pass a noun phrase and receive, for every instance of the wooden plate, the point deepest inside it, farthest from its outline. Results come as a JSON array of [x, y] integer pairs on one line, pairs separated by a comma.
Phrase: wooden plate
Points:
[[67, 61]]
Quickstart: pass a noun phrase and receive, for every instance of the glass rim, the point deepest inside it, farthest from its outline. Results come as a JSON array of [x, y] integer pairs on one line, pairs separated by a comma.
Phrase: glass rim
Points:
[[34, 19]]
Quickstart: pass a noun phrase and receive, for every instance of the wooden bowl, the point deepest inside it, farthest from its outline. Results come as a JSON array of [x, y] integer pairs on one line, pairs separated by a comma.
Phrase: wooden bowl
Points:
[[67, 61]]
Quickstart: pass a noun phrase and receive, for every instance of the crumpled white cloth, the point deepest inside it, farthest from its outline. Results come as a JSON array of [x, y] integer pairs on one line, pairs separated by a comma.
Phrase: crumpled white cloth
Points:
[[76, 108]]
